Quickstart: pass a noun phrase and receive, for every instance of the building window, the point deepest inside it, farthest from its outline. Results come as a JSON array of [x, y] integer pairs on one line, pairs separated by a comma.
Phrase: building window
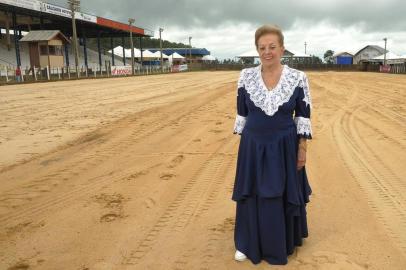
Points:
[[58, 50], [43, 50], [51, 50]]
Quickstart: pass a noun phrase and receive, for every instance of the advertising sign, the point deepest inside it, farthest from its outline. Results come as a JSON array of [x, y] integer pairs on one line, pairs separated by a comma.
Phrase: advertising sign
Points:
[[57, 10], [120, 70], [384, 68]]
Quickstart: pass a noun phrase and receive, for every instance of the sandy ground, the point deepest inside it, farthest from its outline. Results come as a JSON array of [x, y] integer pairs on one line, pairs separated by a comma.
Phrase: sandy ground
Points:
[[137, 173]]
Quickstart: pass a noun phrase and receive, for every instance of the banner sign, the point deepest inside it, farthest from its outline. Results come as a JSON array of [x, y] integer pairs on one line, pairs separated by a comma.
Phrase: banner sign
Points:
[[57, 10], [120, 70], [86, 17], [384, 68], [182, 67], [178, 68]]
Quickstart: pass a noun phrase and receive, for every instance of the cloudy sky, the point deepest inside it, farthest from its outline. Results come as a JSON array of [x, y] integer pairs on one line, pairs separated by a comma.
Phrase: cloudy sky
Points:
[[226, 27]]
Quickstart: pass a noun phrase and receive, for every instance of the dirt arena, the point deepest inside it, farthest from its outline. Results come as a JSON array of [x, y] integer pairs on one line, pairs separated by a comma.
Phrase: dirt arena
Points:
[[137, 173]]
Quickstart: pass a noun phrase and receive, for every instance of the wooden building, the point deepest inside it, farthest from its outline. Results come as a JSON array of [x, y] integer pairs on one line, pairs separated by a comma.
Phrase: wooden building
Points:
[[46, 48]]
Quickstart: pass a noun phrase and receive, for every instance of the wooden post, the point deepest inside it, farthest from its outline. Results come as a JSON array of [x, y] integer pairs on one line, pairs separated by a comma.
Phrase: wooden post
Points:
[[6, 73]]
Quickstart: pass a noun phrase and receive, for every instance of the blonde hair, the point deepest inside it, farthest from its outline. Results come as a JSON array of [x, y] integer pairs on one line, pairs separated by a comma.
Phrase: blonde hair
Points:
[[268, 29]]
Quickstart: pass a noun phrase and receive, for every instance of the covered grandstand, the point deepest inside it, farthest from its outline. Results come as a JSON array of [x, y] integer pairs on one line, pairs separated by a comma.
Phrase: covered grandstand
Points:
[[20, 16]]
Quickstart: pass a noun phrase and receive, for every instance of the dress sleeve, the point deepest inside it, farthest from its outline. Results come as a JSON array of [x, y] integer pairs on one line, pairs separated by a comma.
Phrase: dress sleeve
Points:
[[242, 110], [302, 110]]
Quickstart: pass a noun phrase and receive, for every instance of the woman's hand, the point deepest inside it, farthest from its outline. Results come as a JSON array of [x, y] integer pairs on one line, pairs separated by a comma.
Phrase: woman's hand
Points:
[[301, 154], [301, 158]]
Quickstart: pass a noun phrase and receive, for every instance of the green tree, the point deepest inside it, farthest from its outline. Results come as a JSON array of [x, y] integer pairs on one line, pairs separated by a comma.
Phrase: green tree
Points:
[[328, 57]]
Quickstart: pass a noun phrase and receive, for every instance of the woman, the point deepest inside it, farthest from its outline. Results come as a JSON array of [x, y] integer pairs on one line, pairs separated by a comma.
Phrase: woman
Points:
[[271, 187]]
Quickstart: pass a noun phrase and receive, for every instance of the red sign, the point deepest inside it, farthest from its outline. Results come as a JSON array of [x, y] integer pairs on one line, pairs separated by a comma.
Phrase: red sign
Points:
[[384, 68], [120, 70]]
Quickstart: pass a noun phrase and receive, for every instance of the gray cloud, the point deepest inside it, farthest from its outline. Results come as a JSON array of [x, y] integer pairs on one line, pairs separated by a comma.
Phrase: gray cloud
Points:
[[374, 15], [227, 27]]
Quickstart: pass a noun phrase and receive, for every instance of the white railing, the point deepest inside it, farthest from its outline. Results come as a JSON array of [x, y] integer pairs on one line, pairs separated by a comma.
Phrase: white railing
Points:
[[9, 73]]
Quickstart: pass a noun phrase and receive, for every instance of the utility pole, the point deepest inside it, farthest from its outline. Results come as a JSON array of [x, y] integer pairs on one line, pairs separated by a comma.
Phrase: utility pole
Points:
[[75, 6], [190, 50], [305, 47], [130, 22], [384, 56], [160, 46]]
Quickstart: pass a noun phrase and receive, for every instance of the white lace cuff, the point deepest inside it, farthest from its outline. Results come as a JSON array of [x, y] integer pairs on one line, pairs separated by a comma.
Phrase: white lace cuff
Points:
[[239, 124], [304, 127]]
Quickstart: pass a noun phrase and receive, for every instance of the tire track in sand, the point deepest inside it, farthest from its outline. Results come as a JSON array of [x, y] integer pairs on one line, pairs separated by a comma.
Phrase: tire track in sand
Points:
[[381, 197]]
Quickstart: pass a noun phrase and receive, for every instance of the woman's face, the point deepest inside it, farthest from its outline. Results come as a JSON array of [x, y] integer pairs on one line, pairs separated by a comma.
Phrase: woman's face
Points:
[[269, 49]]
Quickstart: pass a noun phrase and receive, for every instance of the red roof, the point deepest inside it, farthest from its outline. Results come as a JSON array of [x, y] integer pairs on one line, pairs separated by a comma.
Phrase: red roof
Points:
[[119, 25]]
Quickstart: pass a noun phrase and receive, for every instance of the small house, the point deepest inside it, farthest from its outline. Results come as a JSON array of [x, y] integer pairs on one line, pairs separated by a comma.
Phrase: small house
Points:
[[46, 48]]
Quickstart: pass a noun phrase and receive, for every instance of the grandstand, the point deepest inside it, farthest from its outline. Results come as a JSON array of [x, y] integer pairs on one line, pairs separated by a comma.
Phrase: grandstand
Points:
[[8, 57], [23, 16]]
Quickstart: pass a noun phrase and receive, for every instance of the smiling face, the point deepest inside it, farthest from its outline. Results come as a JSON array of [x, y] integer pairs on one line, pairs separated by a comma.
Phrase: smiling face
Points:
[[270, 50]]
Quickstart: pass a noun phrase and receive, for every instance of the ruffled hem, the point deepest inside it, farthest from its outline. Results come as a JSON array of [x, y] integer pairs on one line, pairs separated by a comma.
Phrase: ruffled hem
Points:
[[269, 229]]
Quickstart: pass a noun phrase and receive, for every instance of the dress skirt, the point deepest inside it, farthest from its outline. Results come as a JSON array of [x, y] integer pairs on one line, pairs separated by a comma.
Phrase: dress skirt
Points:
[[271, 195]]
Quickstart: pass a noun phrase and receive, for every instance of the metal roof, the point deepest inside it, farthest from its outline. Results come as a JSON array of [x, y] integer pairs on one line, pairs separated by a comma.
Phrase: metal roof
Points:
[[343, 54], [39, 15], [43, 35], [376, 47], [182, 51]]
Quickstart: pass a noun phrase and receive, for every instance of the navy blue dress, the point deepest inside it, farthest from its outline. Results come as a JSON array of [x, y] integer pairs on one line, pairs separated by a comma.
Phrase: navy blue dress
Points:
[[271, 194]]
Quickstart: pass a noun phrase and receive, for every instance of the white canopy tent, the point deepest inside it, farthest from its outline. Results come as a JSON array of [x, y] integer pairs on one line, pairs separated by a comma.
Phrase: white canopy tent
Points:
[[176, 56], [157, 54], [148, 54], [119, 52], [208, 58]]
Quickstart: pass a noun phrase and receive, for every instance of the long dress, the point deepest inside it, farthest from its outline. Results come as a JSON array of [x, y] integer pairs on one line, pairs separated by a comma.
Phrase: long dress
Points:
[[270, 193]]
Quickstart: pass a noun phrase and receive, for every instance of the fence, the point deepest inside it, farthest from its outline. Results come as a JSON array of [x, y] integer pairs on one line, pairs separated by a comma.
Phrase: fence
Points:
[[398, 68], [10, 75], [300, 66]]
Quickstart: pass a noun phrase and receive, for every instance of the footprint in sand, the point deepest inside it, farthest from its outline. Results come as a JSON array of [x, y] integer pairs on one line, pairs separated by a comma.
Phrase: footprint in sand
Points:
[[19, 266], [109, 217], [176, 161], [149, 203], [226, 226], [166, 176], [136, 175], [114, 204], [110, 200]]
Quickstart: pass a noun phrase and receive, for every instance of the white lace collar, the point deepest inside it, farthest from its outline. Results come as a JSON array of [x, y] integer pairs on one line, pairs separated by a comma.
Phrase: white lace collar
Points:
[[269, 101]]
